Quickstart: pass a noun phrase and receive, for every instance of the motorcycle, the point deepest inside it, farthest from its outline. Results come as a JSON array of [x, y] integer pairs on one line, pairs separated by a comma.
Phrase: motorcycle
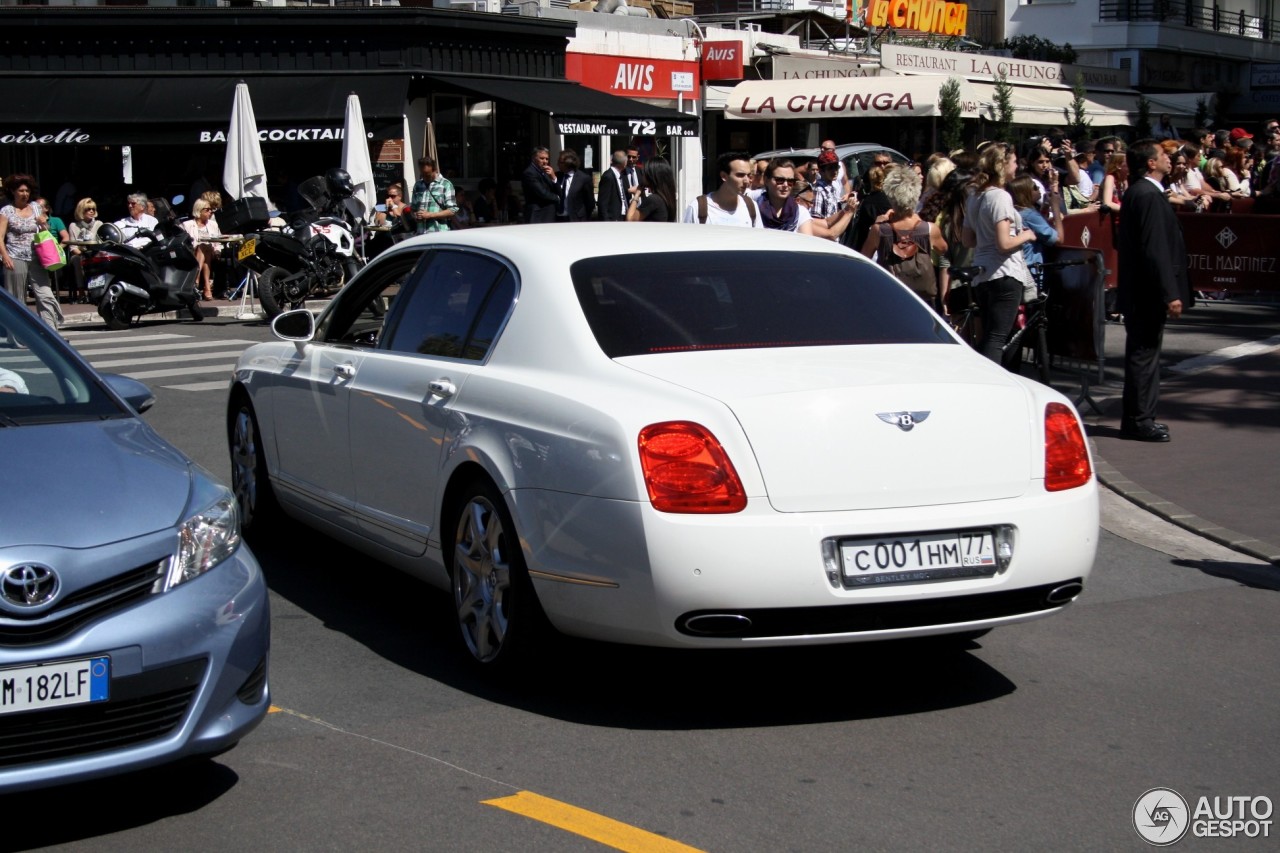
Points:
[[127, 282], [314, 253]]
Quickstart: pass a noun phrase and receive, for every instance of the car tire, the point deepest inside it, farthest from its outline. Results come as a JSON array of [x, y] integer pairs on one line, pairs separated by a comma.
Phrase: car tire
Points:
[[249, 480], [271, 294], [498, 615]]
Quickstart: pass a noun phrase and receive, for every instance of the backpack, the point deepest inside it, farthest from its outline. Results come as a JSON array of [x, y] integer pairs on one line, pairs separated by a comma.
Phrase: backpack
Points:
[[702, 209], [910, 262]]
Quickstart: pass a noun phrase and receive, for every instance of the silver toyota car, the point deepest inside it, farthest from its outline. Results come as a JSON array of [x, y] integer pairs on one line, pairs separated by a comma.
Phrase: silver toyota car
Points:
[[134, 625]]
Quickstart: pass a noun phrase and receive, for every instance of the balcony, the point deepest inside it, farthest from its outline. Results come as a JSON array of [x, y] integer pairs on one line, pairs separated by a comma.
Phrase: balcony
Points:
[[1194, 15]]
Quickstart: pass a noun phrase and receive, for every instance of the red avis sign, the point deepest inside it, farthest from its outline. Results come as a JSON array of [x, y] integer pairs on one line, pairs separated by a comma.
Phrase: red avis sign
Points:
[[631, 76], [722, 60]]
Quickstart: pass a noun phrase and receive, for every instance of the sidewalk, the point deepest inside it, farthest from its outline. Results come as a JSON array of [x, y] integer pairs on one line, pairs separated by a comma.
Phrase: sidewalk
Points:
[[79, 315], [1219, 476]]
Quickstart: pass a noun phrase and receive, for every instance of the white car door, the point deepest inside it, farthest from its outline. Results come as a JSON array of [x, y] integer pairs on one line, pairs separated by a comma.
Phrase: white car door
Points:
[[313, 393], [404, 395]]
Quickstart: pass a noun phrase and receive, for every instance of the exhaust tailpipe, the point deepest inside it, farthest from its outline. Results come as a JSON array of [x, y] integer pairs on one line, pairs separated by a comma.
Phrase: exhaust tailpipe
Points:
[[1064, 594], [718, 625]]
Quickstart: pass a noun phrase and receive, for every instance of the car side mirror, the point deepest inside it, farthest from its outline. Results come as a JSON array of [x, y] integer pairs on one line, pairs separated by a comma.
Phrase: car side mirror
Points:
[[137, 395], [298, 326]]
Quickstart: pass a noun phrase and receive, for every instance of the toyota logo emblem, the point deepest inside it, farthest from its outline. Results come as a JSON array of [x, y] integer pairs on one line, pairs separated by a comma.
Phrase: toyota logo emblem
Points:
[[29, 585]]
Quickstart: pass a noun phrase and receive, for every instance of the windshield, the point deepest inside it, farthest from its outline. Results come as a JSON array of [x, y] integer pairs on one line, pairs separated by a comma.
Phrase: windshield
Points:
[[684, 301], [40, 383]]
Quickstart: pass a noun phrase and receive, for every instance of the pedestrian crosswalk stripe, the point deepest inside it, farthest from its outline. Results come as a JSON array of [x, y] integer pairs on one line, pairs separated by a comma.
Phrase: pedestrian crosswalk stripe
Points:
[[216, 385], [180, 371], [164, 359], [81, 338], [87, 353]]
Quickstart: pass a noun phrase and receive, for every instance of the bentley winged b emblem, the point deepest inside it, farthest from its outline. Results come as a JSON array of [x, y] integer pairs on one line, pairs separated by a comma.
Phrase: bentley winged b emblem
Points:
[[903, 420]]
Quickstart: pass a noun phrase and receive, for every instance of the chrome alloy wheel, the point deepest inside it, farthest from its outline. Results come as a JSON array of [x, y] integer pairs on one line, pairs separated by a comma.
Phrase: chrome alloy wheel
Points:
[[246, 467], [482, 583]]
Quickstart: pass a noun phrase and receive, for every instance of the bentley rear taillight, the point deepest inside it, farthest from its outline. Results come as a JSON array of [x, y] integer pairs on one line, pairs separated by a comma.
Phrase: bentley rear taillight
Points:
[[686, 470], [1066, 459]]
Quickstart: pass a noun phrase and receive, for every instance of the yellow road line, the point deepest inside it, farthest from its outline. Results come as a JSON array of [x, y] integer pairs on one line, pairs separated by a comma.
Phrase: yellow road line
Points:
[[588, 824], [272, 709]]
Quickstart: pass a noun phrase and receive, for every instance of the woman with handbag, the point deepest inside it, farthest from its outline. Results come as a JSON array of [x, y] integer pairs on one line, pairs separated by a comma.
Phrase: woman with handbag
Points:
[[20, 220], [82, 230]]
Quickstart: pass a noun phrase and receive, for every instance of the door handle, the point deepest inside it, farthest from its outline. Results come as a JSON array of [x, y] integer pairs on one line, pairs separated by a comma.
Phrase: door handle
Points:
[[346, 370], [443, 388]]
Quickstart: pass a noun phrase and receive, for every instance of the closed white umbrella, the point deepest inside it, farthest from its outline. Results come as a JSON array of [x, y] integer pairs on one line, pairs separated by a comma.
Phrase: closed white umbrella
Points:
[[355, 159], [244, 175], [410, 165]]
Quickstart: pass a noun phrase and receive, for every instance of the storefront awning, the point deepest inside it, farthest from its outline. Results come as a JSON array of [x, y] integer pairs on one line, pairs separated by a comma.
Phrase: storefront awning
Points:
[[844, 97], [1045, 107], [577, 109], [168, 110]]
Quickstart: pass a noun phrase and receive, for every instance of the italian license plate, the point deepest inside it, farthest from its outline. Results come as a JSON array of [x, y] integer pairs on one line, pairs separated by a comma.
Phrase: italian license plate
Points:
[[926, 557], [96, 282], [247, 248], [53, 685]]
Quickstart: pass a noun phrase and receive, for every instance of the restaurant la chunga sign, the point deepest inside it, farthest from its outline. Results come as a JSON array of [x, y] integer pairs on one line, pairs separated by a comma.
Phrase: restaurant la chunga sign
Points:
[[928, 16]]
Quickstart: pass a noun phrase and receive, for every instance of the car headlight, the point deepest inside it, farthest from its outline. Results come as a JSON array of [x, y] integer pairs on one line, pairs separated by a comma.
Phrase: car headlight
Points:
[[205, 539]]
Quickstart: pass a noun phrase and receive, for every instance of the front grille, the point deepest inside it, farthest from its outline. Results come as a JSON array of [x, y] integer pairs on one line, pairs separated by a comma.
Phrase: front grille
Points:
[[82, 607], [884, 616], [142, 707]]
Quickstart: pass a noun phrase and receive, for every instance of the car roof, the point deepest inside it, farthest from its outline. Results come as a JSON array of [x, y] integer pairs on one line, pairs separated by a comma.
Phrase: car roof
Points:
[[842, 151], [557, 245]]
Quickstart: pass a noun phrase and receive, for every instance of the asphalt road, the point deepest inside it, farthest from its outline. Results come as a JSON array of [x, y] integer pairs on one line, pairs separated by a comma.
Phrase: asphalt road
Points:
[[1039, 736]]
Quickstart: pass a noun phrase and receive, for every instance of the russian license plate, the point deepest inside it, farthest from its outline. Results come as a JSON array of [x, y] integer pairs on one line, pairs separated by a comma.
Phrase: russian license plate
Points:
[[247, 248], [52, 685], [926, 557]]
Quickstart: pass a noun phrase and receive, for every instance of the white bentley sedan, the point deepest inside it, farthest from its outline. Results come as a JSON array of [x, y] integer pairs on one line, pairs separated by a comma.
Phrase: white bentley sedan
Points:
[[670, 435]]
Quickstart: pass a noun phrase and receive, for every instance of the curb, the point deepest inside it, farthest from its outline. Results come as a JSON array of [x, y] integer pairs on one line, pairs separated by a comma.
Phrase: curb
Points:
[[1109, 476], [231, 309]]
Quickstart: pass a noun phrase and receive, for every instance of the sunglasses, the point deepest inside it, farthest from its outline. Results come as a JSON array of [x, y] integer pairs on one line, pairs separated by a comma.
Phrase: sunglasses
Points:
[[828, 148], [91, 210], [778, 180]]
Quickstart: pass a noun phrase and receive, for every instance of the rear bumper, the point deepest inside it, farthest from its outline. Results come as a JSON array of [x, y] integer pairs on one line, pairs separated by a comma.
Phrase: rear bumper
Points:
[[623, 572]]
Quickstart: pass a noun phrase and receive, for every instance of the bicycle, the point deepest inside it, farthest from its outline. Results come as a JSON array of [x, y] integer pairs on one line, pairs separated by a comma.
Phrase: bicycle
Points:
[[961, 305], [1037, 323]]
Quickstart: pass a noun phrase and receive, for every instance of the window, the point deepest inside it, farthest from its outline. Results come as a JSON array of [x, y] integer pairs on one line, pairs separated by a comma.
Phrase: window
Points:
[[676, 302], [456, 307], [360, 311]]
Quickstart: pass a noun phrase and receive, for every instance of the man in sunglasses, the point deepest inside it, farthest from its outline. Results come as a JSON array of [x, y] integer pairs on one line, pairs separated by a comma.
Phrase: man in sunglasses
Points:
[[779, 209]]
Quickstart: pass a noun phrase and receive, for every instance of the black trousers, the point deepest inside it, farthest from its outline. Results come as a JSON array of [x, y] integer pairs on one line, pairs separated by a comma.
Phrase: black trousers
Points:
[[1144, 335], [998, 301]]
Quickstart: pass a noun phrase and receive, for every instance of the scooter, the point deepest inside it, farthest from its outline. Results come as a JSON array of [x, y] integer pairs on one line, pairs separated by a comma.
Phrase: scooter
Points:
[[127, 282], [314, 253]]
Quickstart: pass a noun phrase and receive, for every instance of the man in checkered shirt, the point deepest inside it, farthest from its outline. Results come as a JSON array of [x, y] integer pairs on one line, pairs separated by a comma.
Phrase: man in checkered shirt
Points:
[[432, 200]]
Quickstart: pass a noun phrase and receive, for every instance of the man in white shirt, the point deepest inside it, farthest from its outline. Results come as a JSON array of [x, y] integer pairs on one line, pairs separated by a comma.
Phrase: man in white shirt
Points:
[[138, 219], [727, 205]]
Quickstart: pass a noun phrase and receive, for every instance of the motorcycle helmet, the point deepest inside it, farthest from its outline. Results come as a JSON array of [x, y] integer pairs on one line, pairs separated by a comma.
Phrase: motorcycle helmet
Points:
[[109, 233], [339, 181]]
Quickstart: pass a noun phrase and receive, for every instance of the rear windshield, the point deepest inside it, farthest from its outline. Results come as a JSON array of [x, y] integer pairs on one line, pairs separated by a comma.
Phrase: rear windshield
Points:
[[683, 301]]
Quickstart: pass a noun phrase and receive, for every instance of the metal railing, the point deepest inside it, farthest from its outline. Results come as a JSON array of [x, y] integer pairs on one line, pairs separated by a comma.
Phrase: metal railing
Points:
[[1198, 16]]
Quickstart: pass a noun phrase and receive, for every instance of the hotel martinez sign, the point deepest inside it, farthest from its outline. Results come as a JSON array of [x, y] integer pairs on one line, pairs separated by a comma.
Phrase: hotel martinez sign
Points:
[[978, 66]]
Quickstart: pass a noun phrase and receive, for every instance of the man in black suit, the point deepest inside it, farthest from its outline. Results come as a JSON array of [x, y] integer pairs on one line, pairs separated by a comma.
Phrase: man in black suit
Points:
[[1153, 286], [538, 185], [577, 198], [613, 196]]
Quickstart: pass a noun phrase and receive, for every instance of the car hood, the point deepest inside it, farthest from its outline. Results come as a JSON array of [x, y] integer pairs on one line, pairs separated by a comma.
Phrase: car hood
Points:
[[828, 425], [79, 485]]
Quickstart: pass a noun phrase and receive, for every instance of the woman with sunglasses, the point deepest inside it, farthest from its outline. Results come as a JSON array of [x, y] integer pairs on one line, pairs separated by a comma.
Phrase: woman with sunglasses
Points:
[[83, 229]]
